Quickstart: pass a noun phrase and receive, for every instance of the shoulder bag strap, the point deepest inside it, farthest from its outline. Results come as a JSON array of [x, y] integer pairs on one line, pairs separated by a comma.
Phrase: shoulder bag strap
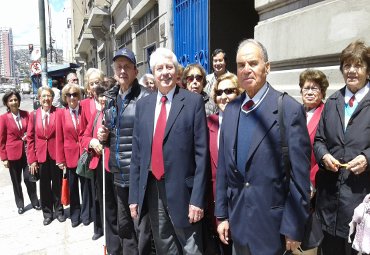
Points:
[[284, 145]]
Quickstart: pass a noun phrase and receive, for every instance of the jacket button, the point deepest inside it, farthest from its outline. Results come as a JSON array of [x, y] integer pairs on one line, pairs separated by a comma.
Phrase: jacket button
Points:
[[247, 184], [235, 170]]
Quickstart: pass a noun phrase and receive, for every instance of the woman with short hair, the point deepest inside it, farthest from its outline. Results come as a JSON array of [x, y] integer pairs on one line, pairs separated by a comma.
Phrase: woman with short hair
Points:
[[13, 127], [41, 155]]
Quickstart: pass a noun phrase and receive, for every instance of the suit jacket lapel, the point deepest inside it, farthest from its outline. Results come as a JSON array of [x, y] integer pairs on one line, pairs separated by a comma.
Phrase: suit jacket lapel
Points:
[[234, 111], [267, 110], [340, 107], [176, 106], [149, 115]]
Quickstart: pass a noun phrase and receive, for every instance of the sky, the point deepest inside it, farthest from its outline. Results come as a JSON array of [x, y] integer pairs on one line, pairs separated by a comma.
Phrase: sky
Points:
[[23, 17]]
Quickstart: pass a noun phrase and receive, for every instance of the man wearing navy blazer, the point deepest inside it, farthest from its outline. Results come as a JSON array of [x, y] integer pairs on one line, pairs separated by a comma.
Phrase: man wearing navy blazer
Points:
[[256, 207], [168, 177]]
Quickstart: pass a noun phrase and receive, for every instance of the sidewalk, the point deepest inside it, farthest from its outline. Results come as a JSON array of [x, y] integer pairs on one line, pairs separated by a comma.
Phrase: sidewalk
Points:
[[25, 234]]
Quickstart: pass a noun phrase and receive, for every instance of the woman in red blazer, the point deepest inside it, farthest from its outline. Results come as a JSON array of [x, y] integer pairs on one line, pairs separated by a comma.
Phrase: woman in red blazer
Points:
[[13, 127], [224, 91], [91, 143], [68, 152], [41, 155]]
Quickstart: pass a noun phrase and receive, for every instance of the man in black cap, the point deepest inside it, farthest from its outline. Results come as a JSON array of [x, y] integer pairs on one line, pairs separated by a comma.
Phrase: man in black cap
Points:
[[117, 132]]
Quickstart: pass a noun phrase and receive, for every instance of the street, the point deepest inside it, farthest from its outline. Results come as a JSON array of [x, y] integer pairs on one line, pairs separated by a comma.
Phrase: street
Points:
[[25, 234]]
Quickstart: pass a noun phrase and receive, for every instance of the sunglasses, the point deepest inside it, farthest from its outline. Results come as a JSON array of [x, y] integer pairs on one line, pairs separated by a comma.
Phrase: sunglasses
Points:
[[75, 94], [191, 78], [227, 91]]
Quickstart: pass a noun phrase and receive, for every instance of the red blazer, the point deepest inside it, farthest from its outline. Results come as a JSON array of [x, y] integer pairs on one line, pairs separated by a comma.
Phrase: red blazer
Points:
[[86, 138], [88, 109], [213, 126], [312, 127], [68, 150], [11, 143], [38, 148]]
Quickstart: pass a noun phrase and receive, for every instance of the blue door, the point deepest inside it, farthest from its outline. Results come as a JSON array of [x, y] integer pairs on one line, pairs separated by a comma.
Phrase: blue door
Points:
[[191, 32]]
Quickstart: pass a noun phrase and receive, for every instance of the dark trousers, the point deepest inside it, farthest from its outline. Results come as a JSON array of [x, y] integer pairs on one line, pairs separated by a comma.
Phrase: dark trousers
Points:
[[136, 238], [168, 238], [112, 239], [334, 245], [16, 167], [79, 212], [97, 198], [50, 188]]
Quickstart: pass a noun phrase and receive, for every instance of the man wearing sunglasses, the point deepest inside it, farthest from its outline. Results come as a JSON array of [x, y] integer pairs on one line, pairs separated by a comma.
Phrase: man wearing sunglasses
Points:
[[119, 124], [264, 213]]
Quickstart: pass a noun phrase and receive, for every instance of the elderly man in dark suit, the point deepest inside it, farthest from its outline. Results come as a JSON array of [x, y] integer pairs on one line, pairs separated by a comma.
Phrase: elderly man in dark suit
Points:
[[169, 158], [265, 214]]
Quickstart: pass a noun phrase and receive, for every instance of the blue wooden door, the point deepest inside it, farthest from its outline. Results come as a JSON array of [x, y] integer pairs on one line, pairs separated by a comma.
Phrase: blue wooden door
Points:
[[191, 32]]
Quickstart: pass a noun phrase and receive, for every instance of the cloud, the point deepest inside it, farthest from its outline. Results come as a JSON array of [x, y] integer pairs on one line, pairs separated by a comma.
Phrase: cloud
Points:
[[23, 17]]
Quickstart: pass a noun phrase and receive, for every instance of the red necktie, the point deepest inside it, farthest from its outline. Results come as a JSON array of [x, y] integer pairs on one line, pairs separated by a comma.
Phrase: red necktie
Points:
[[75, 117], [46, 124], [351, 100], [157, 146], [248, 105]]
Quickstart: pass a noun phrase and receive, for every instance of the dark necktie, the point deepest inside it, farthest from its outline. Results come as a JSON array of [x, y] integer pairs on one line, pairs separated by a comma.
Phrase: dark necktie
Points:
[[351, 100], [46, 124], [157, 146], [18, 123], [248, 105]]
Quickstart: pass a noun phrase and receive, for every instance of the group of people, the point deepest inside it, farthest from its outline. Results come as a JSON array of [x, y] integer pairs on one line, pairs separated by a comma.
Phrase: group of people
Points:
[[193, 163]]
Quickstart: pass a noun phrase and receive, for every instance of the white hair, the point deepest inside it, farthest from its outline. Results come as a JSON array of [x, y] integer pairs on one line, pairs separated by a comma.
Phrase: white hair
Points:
[[161, 53]]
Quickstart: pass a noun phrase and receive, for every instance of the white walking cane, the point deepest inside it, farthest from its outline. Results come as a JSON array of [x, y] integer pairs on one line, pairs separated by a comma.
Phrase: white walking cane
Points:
[[103, 164]]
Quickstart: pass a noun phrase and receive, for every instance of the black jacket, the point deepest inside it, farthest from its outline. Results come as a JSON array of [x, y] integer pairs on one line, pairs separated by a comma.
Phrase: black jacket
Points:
[[339, 193], [119, 119]]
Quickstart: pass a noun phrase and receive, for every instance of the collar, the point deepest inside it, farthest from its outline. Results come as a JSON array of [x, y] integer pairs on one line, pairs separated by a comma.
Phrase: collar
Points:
[[359, 94], [169, 95], [125, 93], [16, 116], [76, 109], [257, 99], [43, 113]]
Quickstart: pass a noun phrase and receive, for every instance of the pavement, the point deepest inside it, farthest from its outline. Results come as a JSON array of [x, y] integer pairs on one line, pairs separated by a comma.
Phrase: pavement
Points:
[[26, 235]]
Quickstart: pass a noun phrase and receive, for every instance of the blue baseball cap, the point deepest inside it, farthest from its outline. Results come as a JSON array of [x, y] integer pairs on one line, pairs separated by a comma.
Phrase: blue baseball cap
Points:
[[124, 52]]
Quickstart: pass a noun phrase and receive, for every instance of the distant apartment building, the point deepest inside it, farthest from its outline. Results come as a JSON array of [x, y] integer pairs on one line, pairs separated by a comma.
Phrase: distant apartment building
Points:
[[6, 54]]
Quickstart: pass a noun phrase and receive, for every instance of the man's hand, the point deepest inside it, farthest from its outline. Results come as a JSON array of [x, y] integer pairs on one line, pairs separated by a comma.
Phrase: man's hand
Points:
[[195, 214], [134, 211], [103, 133], [291, 245], [330, 162], [223, 230], [358, 164], [96, 146], [6, 163], [33, 168]]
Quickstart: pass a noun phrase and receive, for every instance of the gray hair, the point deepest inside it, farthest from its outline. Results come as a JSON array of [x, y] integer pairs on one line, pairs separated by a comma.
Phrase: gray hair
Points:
[[257, 43], [160, 53]]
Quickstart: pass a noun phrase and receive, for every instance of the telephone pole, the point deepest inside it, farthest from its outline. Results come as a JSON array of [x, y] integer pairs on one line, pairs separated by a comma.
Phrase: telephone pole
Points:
[[44, 65]]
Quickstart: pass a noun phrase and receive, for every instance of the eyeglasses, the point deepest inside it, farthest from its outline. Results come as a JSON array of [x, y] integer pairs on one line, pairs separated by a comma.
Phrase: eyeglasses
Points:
[[356, 67], [313, 89], [191, 78], [75, 94], [74, 80], [227, 91], [46, 96]]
